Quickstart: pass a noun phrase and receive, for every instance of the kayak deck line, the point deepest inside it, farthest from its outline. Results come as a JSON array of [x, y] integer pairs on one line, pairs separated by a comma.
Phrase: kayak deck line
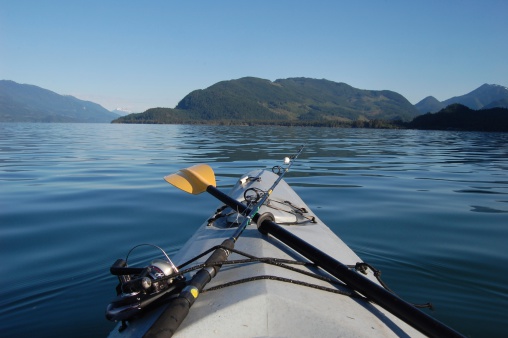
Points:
[[255, 294], [360, 267], [282, 263]]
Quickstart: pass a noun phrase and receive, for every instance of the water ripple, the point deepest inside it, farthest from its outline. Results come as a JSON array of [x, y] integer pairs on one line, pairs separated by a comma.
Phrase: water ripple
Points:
[[426, 207]]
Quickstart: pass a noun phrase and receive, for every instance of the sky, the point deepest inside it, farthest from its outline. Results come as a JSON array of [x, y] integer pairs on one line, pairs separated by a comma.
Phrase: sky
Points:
[[137, 55]]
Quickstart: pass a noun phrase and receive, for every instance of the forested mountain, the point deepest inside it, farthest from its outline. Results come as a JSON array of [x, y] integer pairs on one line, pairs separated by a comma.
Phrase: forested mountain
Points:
[[293, 99], [485, 96], [28, 103], [429, 104], [503, 103], [460, 117]]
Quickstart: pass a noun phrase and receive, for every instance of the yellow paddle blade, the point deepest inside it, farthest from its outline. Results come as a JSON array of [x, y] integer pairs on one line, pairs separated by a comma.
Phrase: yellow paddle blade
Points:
[[193, 180]]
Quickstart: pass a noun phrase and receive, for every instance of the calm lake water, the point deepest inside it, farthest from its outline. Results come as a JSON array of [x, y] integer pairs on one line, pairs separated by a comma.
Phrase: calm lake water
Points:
[[430, 209]]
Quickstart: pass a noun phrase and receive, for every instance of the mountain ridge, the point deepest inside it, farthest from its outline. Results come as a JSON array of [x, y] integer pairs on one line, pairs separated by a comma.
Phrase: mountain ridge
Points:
[[293, 99], [485, 96], [30, 103]]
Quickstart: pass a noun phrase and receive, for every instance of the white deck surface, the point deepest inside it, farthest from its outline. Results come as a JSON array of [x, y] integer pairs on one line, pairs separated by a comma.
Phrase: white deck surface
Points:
[[269, 308]]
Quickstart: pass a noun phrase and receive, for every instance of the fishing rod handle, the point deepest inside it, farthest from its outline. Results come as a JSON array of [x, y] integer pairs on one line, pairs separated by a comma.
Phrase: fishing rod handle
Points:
[[178, 308]]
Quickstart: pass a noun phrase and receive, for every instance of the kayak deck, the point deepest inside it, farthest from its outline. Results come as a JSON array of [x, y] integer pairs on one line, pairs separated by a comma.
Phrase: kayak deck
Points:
[[277, 302]]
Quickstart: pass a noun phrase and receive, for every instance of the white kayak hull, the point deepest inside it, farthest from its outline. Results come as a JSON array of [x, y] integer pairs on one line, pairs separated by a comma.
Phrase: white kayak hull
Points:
[[269, 307]]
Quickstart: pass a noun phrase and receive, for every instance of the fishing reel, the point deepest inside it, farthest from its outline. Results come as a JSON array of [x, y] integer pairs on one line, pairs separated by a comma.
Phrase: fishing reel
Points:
[[142, 288]]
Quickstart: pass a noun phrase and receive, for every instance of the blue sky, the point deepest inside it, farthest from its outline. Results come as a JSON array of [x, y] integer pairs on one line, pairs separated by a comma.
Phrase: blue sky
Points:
[[143, 54]]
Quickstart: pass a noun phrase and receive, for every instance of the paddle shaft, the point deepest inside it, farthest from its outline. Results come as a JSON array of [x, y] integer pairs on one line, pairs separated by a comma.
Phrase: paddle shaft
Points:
[[395, 305]]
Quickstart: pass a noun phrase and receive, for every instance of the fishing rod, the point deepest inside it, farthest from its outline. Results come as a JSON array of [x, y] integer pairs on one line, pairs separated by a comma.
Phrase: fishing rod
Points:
[[253, 212], [196, 180], [200, 178]]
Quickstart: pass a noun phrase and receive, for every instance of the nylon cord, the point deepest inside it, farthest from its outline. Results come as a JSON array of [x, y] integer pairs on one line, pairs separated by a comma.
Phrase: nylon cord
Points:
[[283, 263]]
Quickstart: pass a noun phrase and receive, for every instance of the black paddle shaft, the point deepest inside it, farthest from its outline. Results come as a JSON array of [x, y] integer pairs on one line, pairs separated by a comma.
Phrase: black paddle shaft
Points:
[[374, 292]]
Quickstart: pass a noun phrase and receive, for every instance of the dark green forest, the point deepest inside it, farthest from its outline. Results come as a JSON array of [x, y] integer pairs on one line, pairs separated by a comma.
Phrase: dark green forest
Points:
[[296, 101], [453, 117], [460, 117], [317, 103]]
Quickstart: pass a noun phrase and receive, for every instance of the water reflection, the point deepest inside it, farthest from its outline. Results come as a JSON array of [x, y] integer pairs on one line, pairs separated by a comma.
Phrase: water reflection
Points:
[[426, 207]]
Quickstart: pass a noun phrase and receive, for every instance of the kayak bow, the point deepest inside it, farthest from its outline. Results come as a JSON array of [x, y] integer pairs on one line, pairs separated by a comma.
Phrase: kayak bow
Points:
[[285, 230]]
